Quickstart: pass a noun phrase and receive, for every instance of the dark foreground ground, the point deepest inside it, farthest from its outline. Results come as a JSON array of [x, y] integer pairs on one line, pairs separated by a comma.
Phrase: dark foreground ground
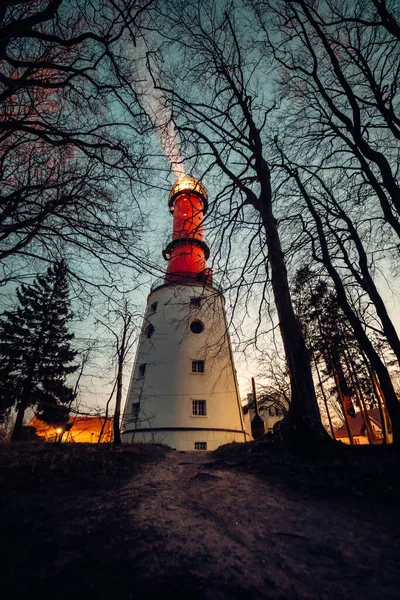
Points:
[[249, 521]]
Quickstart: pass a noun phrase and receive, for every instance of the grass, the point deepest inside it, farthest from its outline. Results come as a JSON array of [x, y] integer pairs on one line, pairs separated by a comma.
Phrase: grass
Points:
[[369, 472], [33, 465]]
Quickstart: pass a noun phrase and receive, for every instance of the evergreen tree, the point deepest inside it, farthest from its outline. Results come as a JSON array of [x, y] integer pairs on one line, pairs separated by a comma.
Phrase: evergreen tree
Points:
[[35, 350], [331, 340]]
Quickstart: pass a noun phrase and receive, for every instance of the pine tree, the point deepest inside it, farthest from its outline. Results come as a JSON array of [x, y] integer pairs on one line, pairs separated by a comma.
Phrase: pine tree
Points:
[[36, 352], [330, 340]]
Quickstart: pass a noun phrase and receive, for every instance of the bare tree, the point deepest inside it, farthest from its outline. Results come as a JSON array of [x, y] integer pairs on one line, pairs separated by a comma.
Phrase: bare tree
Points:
[[72, 135], [322, 254], [276, 392], [121, 325], [338, 70]]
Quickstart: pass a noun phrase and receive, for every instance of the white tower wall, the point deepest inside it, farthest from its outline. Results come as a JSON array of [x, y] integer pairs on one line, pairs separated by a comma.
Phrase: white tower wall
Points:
[[163, 391]]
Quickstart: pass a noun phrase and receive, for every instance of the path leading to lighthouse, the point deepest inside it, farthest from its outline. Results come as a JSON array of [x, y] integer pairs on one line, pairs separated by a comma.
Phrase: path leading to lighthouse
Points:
[[204, 530], [145, 522]]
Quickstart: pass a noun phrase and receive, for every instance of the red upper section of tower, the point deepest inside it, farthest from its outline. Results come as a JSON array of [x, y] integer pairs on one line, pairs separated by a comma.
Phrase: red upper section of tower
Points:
[[187, 252]]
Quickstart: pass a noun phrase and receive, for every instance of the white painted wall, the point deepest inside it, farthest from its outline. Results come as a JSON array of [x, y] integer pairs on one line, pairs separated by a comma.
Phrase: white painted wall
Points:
[[167, 389]]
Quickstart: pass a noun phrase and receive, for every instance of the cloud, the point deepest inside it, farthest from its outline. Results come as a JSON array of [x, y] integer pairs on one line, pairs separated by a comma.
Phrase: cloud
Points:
[[158, 111]]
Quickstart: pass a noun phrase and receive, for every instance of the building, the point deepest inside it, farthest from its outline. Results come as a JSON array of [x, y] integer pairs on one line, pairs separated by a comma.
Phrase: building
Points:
[[183, 390], [84, 430], [271, 409], [358, 429]]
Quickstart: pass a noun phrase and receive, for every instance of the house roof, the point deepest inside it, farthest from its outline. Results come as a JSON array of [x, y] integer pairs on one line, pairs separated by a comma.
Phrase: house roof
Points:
[[357, 424]]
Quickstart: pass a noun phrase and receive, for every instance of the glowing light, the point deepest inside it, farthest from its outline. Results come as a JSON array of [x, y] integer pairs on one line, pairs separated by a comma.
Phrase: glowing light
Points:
[[59, 430], [188, 184]]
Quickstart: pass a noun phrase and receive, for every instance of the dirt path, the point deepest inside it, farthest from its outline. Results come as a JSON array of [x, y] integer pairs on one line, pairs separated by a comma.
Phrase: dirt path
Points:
[[186, 527], [203, 530]]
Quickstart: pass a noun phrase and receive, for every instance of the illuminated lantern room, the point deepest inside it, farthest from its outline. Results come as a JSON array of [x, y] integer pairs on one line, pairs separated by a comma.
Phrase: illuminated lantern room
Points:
[[187, 253]]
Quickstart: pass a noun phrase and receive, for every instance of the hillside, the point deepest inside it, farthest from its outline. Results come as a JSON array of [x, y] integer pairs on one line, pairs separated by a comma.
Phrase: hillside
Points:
[[246, 522]]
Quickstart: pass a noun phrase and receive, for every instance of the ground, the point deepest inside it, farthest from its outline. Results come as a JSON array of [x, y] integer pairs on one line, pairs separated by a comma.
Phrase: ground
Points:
[[156, 523]]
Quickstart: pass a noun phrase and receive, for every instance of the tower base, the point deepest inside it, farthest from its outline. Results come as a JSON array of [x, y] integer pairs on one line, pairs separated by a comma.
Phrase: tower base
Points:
[[185, 439], [183, 391]]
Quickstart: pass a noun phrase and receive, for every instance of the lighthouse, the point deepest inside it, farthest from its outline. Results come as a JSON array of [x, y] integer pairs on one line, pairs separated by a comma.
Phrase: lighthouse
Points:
[[183, 390]]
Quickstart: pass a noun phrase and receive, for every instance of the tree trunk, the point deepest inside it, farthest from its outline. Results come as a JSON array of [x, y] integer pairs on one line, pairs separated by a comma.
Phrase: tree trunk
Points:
[[359, 395], [324, 397], [378, 395], [382, 409], [25, 395], [17, 431], [303, 419], [334, 367], [117, 413], [106, 414], [366, 281], [343, 405]]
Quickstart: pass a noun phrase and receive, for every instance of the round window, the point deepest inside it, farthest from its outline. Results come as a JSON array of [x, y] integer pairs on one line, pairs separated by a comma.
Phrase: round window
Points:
[[148, 332], [196, 327]]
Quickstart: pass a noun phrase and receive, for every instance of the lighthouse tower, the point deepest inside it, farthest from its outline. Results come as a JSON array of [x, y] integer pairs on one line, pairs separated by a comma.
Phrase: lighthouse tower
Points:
[[183, 390]]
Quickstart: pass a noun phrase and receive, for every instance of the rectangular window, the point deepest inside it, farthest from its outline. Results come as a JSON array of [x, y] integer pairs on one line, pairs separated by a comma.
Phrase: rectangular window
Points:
[[153, 307], [196, 301], [142, 370], [199, 408], [197, 366], [135, 410], [200, 445]]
